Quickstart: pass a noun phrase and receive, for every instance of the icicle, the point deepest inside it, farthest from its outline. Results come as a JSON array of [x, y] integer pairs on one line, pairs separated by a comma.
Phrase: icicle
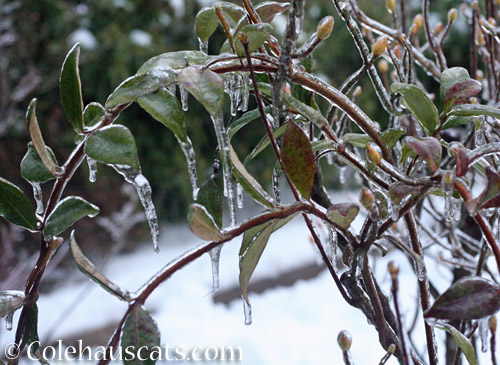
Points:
[[8, 321], [188, 150], [276, 183], [342, 173], [332, 241], [234, 93], [203, 46], [299, 20], [92, 169], [456, 207], [483, 332], [245, 92], [184, 97], [247, 309], [395, 211], [172, 88], [239, 195], [223, 142], [447, 183], [144, 192], [37, 194], [329, 158], [214, 257]]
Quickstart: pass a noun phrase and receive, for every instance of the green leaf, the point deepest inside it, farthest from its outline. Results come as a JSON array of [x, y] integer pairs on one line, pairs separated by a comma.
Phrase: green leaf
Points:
[[468, 110], [32, 167], [165, 108], [419, 104], [232, 13], [205, 23], [142, 336], [264, 142], [253, 245], [93, 114], [209, 197], [173, 60], [33, 342], [256, 34], [451, 76], [356, 139], [37, 138], [140, 85], [248, 182], [462, 342], [471, 297], [113, 145], [428, 148], [269, 9], [203, 224], [343, 214], [298, 159], [457, 121], [88, 268], [391, 136], [246, 118], [10, 301], [461, 92], [66, 213], [206, 86], [15, 206], [71, 89]]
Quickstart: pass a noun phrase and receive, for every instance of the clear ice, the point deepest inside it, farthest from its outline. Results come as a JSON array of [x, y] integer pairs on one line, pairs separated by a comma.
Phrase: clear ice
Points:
[[37, 194], [188, 150], [239, 195], [184, 97], [92, 169], [247, 309], [332, 242], [276, 183], [214, 258], [245, 92], [8, 321]]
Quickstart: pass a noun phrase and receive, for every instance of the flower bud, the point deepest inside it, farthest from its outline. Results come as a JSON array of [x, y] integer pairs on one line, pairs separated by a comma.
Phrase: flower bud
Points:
[[438, 28], [325, 27], [383, 66], [393, 269], [374, 154], [391, 5], [357, 92], [379, 47], [413, 29], [366, 198], [452, 15], [392, 349], [419, 21], [344, 340]]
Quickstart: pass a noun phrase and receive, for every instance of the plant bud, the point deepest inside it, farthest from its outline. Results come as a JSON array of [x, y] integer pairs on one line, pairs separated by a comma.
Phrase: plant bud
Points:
[[391, 5], [379, 47], [392, 349], [452, 15], [344, 340], [413, 29], [479, 75], [493, 324], [383, 66], [419, 21], [438, 28], [397, 51], [242, 37], [367, 33], [393, 269], [474, 5], [366, 198], [325, 27], [357, 92], [373, 153]]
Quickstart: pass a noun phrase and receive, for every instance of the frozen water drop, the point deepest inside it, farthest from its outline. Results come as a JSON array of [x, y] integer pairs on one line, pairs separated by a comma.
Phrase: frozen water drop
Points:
[[239, 195], [92, 169], [332, 241], [247, 309], [37, 195], [276, 183], [203, 46], [184, 97], [483, 332], [214, 258], [342, 174], [144, 191], [188, 150], [8, 321], [245, 92]]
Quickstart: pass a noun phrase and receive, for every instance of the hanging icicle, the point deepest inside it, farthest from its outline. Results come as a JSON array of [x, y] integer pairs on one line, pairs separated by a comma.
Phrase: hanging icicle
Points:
[[203, 45], [188, 150], [332, 242], [245, 92], [276, 183], [92, 169], [184, 97], [37, 195], [342, 174], [214, 258], [8, 321], [239, 195], [247, 309]]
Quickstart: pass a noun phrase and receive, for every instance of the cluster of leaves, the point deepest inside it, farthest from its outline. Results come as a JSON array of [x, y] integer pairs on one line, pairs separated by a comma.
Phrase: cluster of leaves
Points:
[[404, 168]]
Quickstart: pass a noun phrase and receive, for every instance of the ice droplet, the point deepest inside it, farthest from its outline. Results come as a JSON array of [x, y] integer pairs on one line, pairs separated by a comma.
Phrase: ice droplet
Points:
[[332, 241], [92, 169], [276, 183], [144, 191], [203, 46], [483, 332], [214, 258], [342, 174], [247, 309], [239, 195], [188, 150], [184, 97], [8, 321], [245, 92], [37, 194]]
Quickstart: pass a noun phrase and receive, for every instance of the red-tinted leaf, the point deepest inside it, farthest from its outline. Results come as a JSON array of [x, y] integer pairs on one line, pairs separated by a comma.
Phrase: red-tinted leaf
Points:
[[298, 159], [463, 161], [428, 148], [399, 191], [469, 298], [489, 198], [343, 214], [461, 92], [140, 336], [269, 9]]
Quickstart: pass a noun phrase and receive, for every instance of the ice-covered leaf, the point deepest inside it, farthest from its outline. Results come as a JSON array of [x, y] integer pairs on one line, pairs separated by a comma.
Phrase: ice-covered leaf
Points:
[[419, 104], [205, 23], [114, 145], [141, 336], [32, 167], [93, 113], [458, 121], [252, 246], [356, 139], [91, 271], [71, 89], [33, 341], [269, 9], [391, 136], [298, 159], [256, 35], [461, 92], [462, 342], [10, 301], [471, 297], [428, 148], [166, 108], [206, 86], [399, 191], [173, 60], [462, 158], [203, 224], [343, 214], [209, 197], [36, 137], [246, 118], [490, 197], [141, 84], [472, 110], [232, 13], [66, 213], [451, 76], [248, 182], [15, 206]]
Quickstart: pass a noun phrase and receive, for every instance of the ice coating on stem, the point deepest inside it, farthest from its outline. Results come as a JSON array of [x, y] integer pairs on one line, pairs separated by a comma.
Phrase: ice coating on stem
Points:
[[223, 141], [276, 183], [214, 258], [184, 97], [92, 169], [332, 242], [420, 268], [483, 333], [239, 195], [447, 182], [8, 321], [188, 150], [245, 92], [479, 136], [342, 173], [37, 195], [144, 191], [203, 46], [247, 309]]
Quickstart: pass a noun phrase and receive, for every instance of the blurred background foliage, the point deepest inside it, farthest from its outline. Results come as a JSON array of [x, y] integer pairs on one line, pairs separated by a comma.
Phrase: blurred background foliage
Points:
[[117, 37]]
